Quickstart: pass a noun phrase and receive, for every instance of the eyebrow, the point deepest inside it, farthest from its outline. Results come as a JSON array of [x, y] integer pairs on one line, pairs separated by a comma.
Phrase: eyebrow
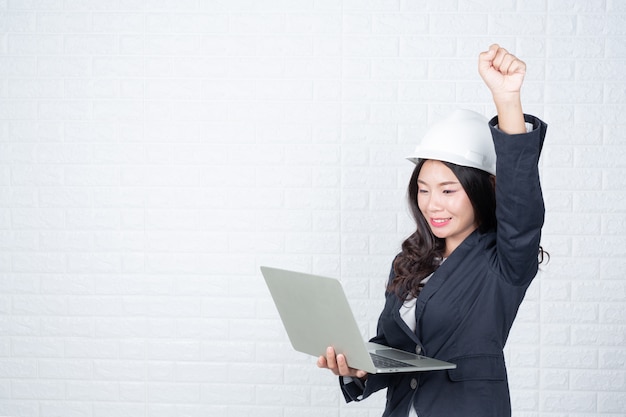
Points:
[[441, 183]]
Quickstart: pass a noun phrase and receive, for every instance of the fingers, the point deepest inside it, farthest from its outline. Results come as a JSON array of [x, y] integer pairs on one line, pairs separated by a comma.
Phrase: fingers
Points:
[[343, 367], [489, 54], [505, 62], [345, 370], [501, 60], [502, 72], [338, 364], [321, 362], [485, 59], [329, 361]]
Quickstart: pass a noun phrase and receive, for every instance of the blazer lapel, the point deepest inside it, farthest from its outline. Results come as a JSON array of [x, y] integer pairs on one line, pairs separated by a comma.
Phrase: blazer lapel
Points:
[[401, 323], [439, 277]]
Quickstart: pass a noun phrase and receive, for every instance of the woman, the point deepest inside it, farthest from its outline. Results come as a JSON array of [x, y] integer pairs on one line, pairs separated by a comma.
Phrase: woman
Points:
[[455, 288]]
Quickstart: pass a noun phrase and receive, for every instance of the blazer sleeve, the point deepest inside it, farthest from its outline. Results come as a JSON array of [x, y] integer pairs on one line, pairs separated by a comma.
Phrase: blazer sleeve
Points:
[[520, 207]]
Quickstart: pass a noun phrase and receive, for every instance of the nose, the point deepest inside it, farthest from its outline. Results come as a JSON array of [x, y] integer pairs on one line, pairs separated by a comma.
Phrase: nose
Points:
[[434, 203]]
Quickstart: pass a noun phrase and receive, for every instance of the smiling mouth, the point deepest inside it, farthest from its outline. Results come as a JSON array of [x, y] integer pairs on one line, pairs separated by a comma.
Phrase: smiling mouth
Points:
[[440, 222]]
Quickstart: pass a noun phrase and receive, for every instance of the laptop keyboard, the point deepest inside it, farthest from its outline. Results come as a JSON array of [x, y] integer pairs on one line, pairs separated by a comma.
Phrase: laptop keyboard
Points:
[[382, 362]]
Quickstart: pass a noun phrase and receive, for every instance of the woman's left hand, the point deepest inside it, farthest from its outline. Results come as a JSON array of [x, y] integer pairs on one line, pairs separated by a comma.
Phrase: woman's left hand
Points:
[[503, 74], [502, 71]]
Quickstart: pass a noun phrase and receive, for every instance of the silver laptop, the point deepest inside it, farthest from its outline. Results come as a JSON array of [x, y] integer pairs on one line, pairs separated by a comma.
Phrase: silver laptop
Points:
[[316, 314]]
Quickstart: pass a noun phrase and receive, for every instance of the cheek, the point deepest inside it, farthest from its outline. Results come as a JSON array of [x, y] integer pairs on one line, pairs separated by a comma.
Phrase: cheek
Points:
[[466, 208], [461, 206], [422, 203]]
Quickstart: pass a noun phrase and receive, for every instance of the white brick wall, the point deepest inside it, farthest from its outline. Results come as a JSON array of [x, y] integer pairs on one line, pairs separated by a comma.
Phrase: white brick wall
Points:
[[154, 153]]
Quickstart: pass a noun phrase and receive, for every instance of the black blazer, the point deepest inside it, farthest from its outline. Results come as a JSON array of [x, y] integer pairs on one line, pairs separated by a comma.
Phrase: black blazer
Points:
[[466, 310]]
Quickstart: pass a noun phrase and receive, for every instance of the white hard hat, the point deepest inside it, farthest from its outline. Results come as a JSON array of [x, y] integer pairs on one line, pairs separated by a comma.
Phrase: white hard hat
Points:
[[463, 138]]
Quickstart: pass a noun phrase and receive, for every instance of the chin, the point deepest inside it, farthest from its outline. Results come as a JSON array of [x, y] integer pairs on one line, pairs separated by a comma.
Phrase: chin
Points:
[[439, 235]]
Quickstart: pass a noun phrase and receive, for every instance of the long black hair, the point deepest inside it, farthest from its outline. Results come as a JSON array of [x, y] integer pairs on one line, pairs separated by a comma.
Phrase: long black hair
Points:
[[422, 251]]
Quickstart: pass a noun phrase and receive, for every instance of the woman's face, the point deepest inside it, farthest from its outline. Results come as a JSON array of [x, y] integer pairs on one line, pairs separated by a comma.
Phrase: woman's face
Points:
[[444, 204]]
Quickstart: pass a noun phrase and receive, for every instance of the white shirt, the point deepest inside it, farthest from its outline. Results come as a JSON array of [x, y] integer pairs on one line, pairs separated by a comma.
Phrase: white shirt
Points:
[[407, 312]]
